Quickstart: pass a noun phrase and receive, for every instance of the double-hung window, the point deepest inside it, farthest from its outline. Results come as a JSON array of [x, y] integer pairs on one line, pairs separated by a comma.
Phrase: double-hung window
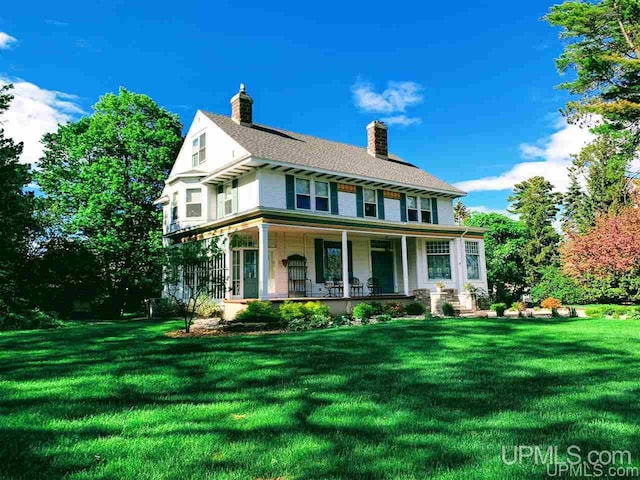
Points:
[[438, 260], [199, 150], [425, 210], [472, 252], [303, 194], [322, 196], [228, 199], [370, 205], [194, 202], [174, 207], [412, 209]]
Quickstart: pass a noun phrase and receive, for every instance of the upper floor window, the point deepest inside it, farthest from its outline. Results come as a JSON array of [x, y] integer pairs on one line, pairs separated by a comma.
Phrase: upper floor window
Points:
[[425, 210], [370, 204], [438, 260], [174, 207], [322, 196], [472, 251], [194, 202], [199, 150], [412, 209], [228, 199], [303, 193]]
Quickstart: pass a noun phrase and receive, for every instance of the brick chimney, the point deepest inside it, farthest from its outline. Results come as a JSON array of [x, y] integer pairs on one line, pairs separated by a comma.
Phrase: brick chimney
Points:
[[241, 107], [377, 139]]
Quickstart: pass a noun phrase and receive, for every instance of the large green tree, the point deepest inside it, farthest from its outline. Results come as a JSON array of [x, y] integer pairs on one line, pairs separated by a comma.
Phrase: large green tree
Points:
[[577, 212], [535, 201], [16, 216], [504, 242], [100, 176], [603, 50]]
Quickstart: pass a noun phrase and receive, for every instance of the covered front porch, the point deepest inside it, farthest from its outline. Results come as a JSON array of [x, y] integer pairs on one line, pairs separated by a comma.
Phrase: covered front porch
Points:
[[277, 262]]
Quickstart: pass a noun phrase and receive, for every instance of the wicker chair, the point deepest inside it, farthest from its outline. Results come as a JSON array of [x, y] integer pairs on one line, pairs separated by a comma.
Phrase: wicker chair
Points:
[[356, 287], [373, 284]]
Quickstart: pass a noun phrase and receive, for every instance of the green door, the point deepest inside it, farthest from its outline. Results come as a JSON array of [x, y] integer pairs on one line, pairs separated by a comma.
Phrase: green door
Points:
[[382, 266], [250, 274]]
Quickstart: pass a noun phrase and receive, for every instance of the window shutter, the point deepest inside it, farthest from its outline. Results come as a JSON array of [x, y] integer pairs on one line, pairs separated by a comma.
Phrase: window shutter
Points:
[[350, 255], [291, 196], [234, 196], [319, 254], [334, 197], [403, 207], [434, 210], [381, 204], [220, 202], [359, 202]]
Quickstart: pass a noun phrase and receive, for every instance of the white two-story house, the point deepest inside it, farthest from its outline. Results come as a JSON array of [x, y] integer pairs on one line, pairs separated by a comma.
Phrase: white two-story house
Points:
[[306, 217]]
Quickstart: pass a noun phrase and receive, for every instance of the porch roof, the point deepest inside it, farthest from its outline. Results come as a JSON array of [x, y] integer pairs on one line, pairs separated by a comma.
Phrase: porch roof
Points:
[[322, 222]]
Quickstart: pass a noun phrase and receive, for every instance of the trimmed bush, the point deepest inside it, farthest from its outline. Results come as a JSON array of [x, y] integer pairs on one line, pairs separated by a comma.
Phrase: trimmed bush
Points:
[[341, 320], [316, 308], [554, 312], [415, 308], [378, 308], [633, 315], [573, 313], [363, 312], [519, 306], [319, 321], [550, 303], [614, 311], [207, 307], [395, 309], [28, 320], [258, 312], [384, 318], [428, 316], [298, 325], [290, 311], [448, 310], [499, 308]]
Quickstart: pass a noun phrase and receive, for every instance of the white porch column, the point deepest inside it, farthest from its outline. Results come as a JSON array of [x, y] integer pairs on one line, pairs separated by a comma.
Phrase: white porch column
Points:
[[405, 265], [228, 264], [263, 261], [346, 290]]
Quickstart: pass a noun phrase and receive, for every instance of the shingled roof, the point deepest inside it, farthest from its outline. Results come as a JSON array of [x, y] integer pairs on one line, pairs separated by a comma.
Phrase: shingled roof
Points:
[[271, 143]]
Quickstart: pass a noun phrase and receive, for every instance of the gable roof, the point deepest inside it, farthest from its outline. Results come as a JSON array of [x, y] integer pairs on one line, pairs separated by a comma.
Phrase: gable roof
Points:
[[312, 152]]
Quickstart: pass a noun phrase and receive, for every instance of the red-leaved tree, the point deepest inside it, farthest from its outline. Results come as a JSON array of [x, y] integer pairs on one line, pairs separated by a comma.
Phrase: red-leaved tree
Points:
[[608, 256]]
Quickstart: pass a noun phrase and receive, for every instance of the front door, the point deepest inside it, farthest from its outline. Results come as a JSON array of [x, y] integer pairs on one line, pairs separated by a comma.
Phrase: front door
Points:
[[382, 267], [250, 274]]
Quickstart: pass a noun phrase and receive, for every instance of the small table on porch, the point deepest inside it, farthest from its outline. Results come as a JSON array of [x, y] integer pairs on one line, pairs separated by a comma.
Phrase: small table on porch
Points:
[[334, 289]]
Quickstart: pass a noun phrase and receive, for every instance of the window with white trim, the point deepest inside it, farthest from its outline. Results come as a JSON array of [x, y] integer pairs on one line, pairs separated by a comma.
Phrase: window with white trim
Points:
[[174, 207], [194, 202], [199, 150], [370, 204], [438, 260], [472, 252], [425, 210], [303, 193], [412, 208], [228, 199], [322, 196]]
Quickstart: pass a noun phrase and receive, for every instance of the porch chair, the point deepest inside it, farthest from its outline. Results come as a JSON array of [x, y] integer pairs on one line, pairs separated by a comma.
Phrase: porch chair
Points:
[[356, 286], [373, 284]]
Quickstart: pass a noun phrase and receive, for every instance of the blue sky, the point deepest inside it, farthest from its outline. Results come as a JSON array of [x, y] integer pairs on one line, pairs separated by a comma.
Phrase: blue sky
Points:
[[467, 88]]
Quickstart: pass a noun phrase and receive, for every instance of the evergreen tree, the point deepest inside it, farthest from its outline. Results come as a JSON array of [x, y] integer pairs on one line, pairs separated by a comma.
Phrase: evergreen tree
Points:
[[577, 213], [537, 205], [460, 212], [16, 217]]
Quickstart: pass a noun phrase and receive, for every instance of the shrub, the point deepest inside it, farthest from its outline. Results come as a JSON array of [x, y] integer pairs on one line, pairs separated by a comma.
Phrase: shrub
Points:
[[319, 321], [573, 313], [633, 315], [550, 303], [395, 309], [384, 318], [165, 308], [316, 308], [448, 310], [611, 310], [428, 316], [298, 325], [378, 308], [554, 312], [207, 307], [556, 284], [530, 313], [415, 308], [290, 311], [363, 311], [519, 306], [341, 320], [261, 312], [499, 308], [28, 320]]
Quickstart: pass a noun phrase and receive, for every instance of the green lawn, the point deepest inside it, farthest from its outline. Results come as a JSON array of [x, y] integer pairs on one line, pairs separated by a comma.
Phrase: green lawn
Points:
[[404, 400]]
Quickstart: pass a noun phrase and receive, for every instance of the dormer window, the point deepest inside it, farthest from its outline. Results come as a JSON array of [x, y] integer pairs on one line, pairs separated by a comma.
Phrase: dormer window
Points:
[[199, 150], [370, 205]]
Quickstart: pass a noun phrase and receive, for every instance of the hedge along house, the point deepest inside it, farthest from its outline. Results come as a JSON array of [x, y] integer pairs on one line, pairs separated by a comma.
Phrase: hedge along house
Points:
[[311, 218]]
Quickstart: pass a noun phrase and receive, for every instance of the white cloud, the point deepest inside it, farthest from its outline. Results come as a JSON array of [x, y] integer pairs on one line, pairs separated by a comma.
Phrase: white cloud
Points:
[[396, 98], [402, 120], [549, 158], [33, 112], [6, 40]]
